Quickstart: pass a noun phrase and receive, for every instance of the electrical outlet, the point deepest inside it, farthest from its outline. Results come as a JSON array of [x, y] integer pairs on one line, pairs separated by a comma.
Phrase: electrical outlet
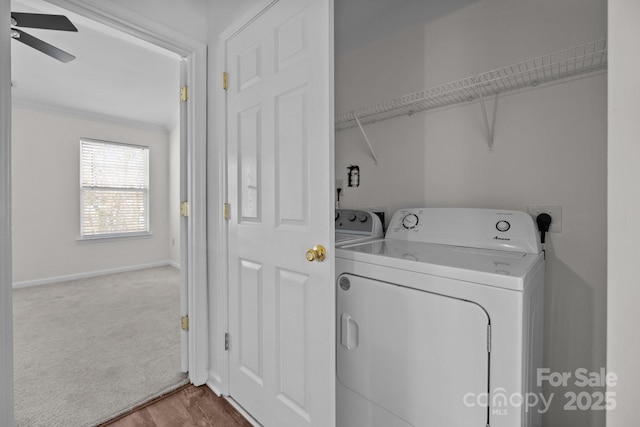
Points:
[[340, 185], [554, 211]]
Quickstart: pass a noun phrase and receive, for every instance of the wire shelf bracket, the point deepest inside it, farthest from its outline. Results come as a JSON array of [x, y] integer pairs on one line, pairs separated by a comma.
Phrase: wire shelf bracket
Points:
[[373, 154], [565, 64], [490, 128]]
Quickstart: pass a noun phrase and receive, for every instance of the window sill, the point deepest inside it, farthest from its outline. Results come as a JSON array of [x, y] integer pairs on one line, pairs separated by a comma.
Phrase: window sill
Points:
[[114, 237]]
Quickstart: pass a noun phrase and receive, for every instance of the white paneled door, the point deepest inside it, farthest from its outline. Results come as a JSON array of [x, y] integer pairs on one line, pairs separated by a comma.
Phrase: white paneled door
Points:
[[280, 176]]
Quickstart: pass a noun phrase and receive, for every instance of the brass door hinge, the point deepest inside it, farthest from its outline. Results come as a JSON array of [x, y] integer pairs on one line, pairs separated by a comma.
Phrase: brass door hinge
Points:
[[184, 94], [226, 211], [226, 341], [225, 80], [184, 323], [184, 208]]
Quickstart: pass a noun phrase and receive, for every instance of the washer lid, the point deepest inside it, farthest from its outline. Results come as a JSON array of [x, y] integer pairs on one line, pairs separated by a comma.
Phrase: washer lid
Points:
[[503, 269]]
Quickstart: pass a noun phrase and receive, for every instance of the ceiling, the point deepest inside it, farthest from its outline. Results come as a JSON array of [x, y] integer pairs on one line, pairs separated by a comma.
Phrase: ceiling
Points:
[[115, 76], [120, 78]]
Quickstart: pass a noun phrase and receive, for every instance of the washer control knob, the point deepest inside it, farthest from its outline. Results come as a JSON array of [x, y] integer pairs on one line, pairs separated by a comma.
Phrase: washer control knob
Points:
[[503, 226], [410, 221], [352, 217], [363, 218], [337, 215]]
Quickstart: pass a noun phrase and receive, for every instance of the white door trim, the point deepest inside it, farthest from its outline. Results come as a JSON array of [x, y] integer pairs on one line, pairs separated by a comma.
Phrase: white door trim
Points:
[[184, 221], [219, 375], [219, 371], [195, 53], [252, 14], [6, 291]]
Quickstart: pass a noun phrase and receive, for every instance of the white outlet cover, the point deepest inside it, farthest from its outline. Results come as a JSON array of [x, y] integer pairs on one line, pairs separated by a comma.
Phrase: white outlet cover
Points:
[[554, 211]]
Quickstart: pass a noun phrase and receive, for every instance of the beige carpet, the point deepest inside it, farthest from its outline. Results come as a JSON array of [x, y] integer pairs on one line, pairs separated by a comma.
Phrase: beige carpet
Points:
[[88, 349]]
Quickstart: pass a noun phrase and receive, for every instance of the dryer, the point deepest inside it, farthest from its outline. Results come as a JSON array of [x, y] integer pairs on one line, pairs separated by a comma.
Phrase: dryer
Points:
[[356, 225], [440, 323]]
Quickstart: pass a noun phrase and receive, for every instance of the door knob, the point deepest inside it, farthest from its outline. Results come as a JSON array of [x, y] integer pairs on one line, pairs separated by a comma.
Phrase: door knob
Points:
[[317, 253]]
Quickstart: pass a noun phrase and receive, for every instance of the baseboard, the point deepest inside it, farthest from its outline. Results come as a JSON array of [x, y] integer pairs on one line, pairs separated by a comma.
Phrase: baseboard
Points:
[[174, 264], [65, 278], [214, 388], [244, 413], [235, 404]]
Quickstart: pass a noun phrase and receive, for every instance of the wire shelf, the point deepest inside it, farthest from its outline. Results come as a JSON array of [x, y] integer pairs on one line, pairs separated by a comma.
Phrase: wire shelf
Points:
[[583, 59]]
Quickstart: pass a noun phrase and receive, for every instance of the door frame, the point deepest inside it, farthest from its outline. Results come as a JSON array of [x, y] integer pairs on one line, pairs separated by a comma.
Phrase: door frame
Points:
[[6, 282], [195, 54]]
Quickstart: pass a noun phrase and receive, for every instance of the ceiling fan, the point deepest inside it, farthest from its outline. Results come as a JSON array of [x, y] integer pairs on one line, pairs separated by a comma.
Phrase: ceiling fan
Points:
[[42, 21]]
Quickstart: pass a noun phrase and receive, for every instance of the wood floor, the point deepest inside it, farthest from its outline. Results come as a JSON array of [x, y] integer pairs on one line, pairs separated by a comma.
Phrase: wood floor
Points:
[[189, 406]]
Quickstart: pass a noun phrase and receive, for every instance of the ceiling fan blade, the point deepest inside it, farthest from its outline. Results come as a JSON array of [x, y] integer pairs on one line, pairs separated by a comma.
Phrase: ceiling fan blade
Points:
[[44, 21], [42, 46]]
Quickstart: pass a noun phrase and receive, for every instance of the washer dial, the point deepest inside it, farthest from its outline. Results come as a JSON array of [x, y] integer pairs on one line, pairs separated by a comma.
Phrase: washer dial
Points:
[[503, 226], [410, 221]]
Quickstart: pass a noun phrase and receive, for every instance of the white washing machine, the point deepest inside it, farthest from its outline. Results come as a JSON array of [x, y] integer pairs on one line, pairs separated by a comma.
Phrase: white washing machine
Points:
[[440, 323], [355, 226]]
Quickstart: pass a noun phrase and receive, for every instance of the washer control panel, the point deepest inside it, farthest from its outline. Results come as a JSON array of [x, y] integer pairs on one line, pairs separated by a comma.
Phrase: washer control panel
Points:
[[354, 221], [478, 228]]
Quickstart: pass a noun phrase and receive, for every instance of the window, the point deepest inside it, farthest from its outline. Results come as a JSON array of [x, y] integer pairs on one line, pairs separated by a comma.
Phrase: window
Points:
[[114, 189]]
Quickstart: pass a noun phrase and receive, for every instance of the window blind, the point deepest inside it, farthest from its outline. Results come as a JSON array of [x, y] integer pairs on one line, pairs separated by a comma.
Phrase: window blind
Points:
[[114, 181]]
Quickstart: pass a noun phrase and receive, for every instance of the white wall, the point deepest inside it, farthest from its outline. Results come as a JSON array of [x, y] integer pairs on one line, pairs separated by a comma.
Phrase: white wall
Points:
[[46, 209], [174, 196], [623, 353], [550, 149], [185, 16]]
